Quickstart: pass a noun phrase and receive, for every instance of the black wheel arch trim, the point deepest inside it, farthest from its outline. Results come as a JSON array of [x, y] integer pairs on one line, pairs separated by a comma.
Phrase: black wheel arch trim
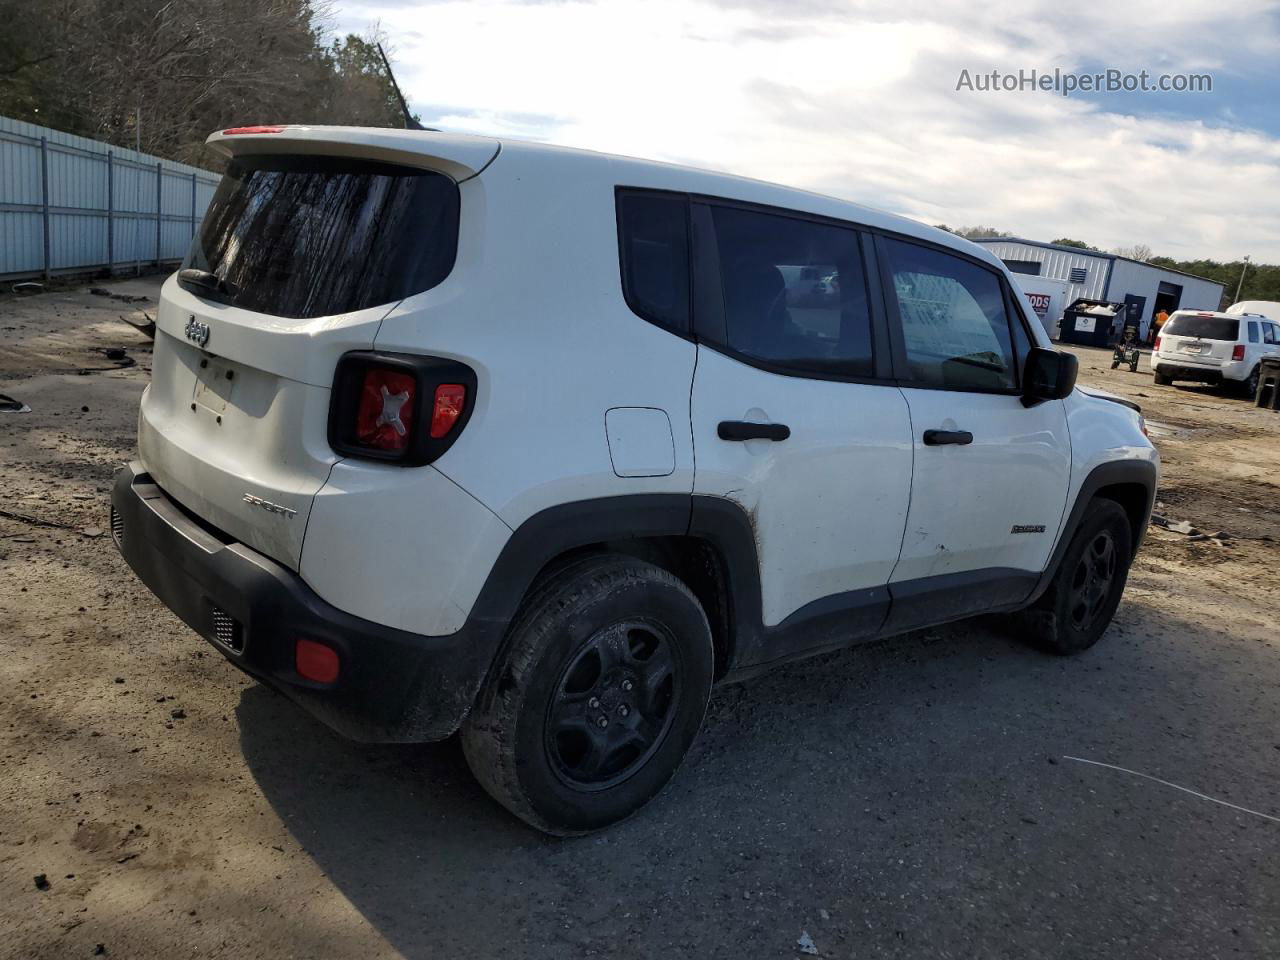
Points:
[[728, 529], [1116, 473]]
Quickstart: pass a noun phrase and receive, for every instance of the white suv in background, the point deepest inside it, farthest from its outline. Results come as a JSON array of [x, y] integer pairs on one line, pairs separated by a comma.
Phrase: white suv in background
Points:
[[453, 433], [1211, 347]]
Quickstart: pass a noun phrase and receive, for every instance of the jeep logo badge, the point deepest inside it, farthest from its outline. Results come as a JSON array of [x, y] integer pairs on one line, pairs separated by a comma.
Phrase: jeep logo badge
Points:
[[197, 332]]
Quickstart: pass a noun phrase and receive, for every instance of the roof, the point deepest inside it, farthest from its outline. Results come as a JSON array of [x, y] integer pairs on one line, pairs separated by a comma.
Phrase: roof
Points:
[[1100, 254], [464, 156]]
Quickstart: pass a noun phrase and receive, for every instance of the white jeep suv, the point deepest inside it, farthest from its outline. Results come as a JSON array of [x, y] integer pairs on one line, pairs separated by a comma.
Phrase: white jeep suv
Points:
[[451, 433], [1211, 347]]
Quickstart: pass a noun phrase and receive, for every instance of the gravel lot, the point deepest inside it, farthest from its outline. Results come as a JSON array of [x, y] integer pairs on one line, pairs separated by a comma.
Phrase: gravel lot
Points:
[[913, 798]]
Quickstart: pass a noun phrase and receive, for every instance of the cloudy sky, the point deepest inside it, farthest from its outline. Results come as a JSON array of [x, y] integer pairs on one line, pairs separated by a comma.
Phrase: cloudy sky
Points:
[[859, 99]]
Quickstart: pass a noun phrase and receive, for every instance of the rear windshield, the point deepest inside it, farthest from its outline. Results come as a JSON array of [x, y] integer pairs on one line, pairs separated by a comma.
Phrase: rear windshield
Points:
[[1209, 328], [313, 236]]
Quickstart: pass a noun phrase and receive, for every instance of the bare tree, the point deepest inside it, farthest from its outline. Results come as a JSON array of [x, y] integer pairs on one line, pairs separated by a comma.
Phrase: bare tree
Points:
[[1139, 251], [186, 66]]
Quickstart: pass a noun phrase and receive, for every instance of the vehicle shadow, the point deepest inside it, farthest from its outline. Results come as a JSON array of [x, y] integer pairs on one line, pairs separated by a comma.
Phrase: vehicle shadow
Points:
[[886, 799]]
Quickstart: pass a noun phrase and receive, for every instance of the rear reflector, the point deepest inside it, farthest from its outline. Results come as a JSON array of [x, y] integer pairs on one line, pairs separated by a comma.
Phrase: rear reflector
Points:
[[233, 131], [315, 662], [449, 403], [1237, 352], [385, 416]]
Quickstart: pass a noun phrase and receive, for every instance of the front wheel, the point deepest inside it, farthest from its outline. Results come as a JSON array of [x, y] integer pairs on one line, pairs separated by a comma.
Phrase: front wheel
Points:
[[1114, 364], [1079, 603], [597, 698]]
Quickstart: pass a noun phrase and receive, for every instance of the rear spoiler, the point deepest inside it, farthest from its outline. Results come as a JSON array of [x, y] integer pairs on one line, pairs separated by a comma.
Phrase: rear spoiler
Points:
[[460, 157]]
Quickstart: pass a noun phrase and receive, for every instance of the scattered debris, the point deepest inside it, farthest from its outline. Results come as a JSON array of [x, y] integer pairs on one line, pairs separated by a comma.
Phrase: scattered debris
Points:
[[806, 944], [34, 521], [122, 297], [178, 714], [1194, 793], [825, 915], [9, 405], [28, 287], [92, 531], [126, 858], [1193, 535], [147, 329], [99, 949], [42, 881]]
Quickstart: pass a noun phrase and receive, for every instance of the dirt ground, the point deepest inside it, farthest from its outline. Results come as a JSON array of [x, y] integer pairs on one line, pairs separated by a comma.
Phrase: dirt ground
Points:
[[912, 798]]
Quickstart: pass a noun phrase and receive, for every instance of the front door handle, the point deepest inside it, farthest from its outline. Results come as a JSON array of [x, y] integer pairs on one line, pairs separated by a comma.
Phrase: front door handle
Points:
[[940, 438], [746, 430]]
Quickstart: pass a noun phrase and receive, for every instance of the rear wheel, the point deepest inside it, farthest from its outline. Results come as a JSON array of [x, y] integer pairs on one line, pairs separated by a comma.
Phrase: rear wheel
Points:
[[598, 697], [1077, 608], [1250, 386], [1162, 380]]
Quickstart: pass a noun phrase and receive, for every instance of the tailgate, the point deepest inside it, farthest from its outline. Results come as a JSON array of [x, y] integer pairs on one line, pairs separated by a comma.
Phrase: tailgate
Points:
[[298, 260]]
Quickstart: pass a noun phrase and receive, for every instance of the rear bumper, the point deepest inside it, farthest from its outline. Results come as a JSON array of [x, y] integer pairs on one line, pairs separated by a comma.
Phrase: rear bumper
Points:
[[1201, 373], [393, 686]]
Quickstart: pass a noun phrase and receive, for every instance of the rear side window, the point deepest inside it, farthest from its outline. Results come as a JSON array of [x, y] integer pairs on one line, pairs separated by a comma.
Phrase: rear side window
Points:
[[954, 322], [1207, 328], [795, 294], [313, 236], [1253, 331], [653, 233]]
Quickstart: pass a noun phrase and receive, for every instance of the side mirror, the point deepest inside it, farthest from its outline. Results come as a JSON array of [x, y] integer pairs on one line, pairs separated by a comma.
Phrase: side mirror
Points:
[[1048, 375]]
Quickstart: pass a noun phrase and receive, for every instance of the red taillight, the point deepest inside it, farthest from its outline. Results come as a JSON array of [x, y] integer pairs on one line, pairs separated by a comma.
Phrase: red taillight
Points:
[[397, 407], [1156, 345], [1237, 352], [384, 419], [314, 661], [233, 131], [449, 402]]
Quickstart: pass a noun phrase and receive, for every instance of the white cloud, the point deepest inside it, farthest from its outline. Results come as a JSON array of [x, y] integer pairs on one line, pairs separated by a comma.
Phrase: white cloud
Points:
[[859, 100]]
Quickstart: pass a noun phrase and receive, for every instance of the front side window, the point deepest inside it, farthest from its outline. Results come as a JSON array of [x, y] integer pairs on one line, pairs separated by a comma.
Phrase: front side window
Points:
[[795, 293], [1272, 333], [298, 237], [954, 323], [653, 234]]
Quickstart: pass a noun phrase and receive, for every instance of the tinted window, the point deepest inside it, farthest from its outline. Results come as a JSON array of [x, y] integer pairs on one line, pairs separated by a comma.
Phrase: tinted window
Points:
[[1272, 333], [795, 294], [1253, 331], [313, 236], [954, 323], [1208, 328], [1031, 267], [654, 234]]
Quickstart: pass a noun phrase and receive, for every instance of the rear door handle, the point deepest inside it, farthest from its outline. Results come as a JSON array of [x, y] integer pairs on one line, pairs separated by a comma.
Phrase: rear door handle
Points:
[[746, 430], [940, 438]]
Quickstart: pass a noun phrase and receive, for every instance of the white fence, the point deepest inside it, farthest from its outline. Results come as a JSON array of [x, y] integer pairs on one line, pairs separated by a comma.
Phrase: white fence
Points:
[[69, 204]]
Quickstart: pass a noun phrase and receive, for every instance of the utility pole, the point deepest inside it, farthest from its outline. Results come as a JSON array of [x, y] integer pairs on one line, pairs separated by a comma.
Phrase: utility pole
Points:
[[1241, 283]]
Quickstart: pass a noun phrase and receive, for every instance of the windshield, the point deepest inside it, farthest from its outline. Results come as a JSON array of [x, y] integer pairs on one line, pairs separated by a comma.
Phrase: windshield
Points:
[[313, 236], [1208, 328]]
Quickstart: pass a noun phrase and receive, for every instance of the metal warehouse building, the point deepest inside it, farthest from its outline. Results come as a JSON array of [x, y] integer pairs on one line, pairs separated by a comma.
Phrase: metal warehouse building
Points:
[[1143, 288]]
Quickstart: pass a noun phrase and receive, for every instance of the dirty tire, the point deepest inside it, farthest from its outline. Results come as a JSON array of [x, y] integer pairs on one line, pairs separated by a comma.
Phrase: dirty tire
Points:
[[1250, 386], [1114, 364], [1077, 608], [591, 641], [1133, 366], [1162, 380]]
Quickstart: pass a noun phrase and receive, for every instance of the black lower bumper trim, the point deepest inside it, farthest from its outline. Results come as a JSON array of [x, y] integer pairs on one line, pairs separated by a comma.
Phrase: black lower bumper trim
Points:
[[1198, 374], [393, 686]]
